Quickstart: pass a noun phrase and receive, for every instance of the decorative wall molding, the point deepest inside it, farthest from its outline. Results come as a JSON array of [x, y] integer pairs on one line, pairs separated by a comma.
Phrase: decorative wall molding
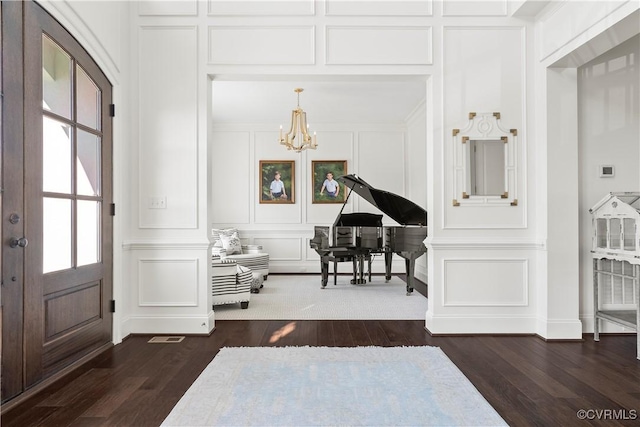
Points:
[[165, 282], [165, 245], [261, 45], [168, 8], [379, 45], [490, 243], [475, 8], [485, 282], [281, 248], [168, 126], [379, 8], [261, 8], [497, 83]]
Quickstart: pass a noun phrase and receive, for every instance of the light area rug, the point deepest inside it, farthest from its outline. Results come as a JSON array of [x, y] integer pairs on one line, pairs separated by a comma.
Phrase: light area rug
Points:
[[286, 297], [332, 386]]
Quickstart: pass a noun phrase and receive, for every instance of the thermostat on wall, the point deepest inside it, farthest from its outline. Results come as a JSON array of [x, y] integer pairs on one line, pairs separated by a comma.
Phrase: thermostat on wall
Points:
[[606, 171]]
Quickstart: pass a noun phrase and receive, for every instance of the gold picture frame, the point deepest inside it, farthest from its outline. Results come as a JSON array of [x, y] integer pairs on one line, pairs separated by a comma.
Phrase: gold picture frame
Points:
[[270, 190], [320, 169]]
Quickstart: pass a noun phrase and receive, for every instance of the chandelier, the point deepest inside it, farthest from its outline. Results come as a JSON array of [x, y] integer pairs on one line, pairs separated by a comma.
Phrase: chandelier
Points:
[[298, 138]]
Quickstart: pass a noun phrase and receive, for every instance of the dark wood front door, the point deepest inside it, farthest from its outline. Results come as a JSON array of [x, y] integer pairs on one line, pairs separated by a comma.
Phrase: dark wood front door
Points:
[[56, 223]]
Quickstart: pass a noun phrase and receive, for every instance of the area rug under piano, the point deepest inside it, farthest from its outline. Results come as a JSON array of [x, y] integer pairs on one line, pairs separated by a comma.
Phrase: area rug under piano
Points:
[[300, 297], [330, 386]]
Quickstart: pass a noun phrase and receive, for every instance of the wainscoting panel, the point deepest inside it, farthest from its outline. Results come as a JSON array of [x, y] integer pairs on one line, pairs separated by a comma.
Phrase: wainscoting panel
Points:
[[281, 248], [168, 139], [168, 8], [378, 45], [475, 8], [379, 8], [485, 282], [260, 8], [262, 45], [168, 282]]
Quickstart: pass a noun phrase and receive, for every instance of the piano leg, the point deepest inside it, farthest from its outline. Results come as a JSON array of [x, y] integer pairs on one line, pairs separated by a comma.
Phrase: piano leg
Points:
[[410, 264], [324, 269], [358, 270], [388, 256]]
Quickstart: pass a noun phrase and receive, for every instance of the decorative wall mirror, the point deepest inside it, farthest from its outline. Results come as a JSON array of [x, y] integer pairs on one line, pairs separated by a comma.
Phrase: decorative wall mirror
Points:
[[485, 162]]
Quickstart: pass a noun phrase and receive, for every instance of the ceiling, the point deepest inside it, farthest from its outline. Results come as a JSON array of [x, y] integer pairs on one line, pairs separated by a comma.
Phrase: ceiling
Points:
[[347, 100]]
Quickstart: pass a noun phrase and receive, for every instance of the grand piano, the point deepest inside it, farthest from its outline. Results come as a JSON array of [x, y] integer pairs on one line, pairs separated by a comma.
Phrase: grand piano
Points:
[[356, 237]]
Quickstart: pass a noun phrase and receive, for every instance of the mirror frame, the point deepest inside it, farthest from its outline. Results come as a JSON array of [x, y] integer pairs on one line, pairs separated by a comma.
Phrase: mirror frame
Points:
[[484, 126]]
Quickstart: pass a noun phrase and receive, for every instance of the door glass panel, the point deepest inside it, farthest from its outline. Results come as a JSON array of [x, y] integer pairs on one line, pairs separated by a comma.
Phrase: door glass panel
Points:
[[88, 164], [88, 100], [56, 160], [56, 78], [88, 232], [56, 234]]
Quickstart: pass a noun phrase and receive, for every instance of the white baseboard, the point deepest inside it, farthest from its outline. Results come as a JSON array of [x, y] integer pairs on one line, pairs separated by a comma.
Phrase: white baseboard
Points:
[[565, 329], [198, 325], [439, 325]]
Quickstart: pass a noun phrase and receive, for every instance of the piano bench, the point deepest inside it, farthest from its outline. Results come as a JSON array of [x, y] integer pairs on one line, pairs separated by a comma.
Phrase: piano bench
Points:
[[349, 258]]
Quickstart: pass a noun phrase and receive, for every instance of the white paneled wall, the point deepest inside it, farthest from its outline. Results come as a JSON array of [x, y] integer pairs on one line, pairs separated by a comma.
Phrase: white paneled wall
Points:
[[262, 45], [494, 83], [378, 45], [168, 141], [380, 8], [491, 269]]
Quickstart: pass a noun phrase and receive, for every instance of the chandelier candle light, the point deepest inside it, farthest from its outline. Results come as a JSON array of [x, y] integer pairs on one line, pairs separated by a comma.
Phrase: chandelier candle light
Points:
[[298, 137]]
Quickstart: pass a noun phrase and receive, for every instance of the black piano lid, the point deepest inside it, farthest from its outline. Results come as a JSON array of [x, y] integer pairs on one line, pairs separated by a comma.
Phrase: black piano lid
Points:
[[401, 210]]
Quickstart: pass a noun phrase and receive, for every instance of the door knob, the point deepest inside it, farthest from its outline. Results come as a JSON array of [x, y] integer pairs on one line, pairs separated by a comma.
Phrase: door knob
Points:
[[15, 242]]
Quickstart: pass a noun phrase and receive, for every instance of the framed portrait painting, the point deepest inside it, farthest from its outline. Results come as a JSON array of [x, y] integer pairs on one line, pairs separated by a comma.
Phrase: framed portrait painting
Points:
[[326, 189], [277, 181]]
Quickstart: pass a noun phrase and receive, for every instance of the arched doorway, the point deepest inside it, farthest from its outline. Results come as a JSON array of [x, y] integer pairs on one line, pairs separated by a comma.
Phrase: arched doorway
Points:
[[56, 200]]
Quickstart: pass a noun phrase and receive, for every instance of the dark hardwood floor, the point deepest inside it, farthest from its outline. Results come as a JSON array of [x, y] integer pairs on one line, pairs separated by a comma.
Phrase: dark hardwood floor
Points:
[[529, 382]]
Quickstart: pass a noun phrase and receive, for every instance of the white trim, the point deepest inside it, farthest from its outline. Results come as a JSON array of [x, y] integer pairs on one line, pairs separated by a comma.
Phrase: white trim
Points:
[[451, 325], [486, 244], [196, 325], [143, 245]]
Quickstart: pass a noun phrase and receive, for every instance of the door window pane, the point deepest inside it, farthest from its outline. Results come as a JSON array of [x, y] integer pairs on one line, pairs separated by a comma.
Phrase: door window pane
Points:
[[56, 78], [56, 161], [56, 234], [88, 100], [88, 164], [88, 232]]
